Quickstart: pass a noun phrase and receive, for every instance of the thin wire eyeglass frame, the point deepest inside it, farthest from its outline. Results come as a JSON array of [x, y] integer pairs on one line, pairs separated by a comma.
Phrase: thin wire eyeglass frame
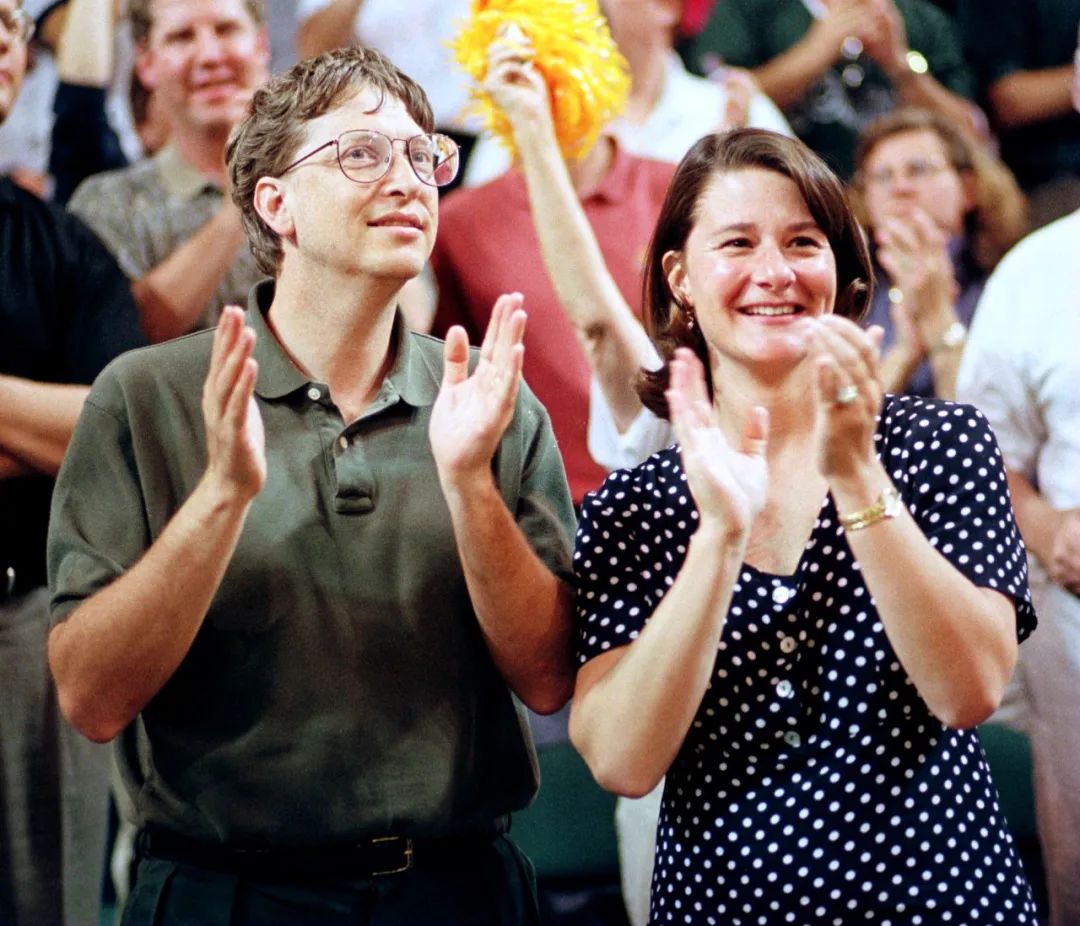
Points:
[[18, 24], [437, 141]]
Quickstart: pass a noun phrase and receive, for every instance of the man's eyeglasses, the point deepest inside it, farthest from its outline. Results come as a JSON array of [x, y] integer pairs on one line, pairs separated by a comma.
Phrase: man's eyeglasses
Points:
[[17, 23], [365, 156], [914, 170]]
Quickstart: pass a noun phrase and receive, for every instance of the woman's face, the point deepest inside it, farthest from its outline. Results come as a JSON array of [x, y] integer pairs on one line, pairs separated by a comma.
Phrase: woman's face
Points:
[[755, 264], [912, 169]]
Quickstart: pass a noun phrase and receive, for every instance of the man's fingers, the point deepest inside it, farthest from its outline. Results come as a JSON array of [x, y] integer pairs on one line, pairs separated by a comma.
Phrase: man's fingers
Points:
[[455, 356], [236, 408]]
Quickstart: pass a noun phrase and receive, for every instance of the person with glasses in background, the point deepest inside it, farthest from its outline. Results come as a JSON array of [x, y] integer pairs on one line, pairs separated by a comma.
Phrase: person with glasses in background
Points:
[[65, 311], [941, 212], [311, 604]]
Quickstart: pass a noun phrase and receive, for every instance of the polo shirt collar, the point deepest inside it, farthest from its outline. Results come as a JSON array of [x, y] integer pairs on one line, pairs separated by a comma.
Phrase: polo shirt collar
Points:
[[178, 177], [616, 183], [411, 378]]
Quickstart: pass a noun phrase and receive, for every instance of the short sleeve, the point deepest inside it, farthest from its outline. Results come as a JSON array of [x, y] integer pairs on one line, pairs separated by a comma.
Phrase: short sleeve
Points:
[[544, 510], [89, 545], [991, 376], [953, 480], [102, 320], [100, 203], [631, 540]]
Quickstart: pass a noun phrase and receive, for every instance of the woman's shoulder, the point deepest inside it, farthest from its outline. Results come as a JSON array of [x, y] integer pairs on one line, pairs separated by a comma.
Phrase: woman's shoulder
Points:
[[657, 476], [915, 420]]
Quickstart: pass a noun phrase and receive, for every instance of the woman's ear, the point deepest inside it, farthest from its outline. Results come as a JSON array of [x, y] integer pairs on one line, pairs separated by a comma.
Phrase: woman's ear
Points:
[[674, 269]]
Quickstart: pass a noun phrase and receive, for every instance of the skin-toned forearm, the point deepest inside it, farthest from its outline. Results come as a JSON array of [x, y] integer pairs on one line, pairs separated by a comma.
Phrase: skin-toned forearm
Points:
[[522, 608], [330, 27], [897, 368], [613, 338], [957, 642], [1037, 519], [945, 364], [924, 90], [37, 419], [85, 52], [1024, 97], [633, 707], [172, 296], [119, 647], [789, 76]]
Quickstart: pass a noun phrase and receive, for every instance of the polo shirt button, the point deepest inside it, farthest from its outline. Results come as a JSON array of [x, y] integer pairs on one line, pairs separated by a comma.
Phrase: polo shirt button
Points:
[[792, 738], [314, 394], [784, 689], [343, 442], [788, 644]]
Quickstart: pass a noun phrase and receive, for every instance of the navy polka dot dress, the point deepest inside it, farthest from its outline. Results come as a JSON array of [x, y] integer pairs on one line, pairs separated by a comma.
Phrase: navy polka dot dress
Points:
[[814, 786]]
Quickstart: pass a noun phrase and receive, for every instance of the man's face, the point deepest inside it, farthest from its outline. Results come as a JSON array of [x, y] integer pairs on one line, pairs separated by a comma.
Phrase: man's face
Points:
[[203, 59], [380, 230], [12, 57]]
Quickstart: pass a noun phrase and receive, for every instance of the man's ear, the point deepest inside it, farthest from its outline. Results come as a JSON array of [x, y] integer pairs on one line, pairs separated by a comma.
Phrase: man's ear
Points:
[[146, 67], [271, 203]]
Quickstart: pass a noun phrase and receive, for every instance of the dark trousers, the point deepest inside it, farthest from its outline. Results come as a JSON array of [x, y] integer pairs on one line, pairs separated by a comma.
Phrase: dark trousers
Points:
[[492, 884]]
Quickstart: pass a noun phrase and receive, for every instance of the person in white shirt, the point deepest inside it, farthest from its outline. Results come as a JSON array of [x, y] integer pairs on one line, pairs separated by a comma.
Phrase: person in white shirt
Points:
[[1021, 368]]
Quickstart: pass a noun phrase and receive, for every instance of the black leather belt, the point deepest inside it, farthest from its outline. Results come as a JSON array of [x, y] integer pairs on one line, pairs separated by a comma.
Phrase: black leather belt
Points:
[[368, 858]]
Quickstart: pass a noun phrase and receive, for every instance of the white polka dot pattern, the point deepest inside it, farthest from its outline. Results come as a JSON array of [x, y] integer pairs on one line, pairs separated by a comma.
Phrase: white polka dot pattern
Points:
[[814, 786]]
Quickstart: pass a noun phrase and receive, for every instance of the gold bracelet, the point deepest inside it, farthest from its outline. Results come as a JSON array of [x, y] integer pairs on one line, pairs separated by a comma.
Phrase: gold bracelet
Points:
[[888, 505]]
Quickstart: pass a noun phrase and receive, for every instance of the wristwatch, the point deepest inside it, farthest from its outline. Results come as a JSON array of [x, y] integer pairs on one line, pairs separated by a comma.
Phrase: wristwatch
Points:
[[916, 62], [888, 505], [952, 338]]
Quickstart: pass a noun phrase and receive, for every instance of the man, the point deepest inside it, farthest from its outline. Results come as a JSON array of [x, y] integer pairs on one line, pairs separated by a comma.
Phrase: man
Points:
[[167, 219], [65, 311], [1020, 367], [308, 642], [579, 268], [833, 66], [1021, 371], [1022, 57]]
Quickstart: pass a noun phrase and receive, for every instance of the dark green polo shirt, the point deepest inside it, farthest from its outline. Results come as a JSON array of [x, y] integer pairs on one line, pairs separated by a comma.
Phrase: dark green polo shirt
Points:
[[339, 686]]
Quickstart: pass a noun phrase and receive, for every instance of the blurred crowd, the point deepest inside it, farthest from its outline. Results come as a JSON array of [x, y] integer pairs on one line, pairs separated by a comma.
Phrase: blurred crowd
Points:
[[954, 126]]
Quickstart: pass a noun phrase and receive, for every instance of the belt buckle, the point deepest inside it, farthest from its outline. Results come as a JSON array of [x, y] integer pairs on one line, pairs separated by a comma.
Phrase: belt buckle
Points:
[[407, 854]]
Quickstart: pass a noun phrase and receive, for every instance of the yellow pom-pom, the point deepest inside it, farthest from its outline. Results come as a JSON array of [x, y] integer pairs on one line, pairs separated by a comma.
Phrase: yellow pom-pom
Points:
[[587, 77]]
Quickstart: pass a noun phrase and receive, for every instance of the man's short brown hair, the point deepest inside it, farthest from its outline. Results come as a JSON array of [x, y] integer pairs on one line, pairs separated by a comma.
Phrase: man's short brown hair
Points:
[[266, 142], [141, 14]]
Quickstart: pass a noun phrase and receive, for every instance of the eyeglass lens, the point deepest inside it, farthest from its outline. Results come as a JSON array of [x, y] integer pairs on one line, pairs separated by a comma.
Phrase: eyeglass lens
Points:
[[365, 156], [913, 170], [17, 22]]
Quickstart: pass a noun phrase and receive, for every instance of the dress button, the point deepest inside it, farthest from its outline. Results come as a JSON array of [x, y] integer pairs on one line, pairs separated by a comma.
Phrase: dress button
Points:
[[784, 689], [788, 644], [780, 594], [343, 442], [792, 738], [314, 394]]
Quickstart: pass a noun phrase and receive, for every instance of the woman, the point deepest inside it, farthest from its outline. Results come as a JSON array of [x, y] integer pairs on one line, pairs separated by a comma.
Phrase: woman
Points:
[[760, 616], [941, 214]]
